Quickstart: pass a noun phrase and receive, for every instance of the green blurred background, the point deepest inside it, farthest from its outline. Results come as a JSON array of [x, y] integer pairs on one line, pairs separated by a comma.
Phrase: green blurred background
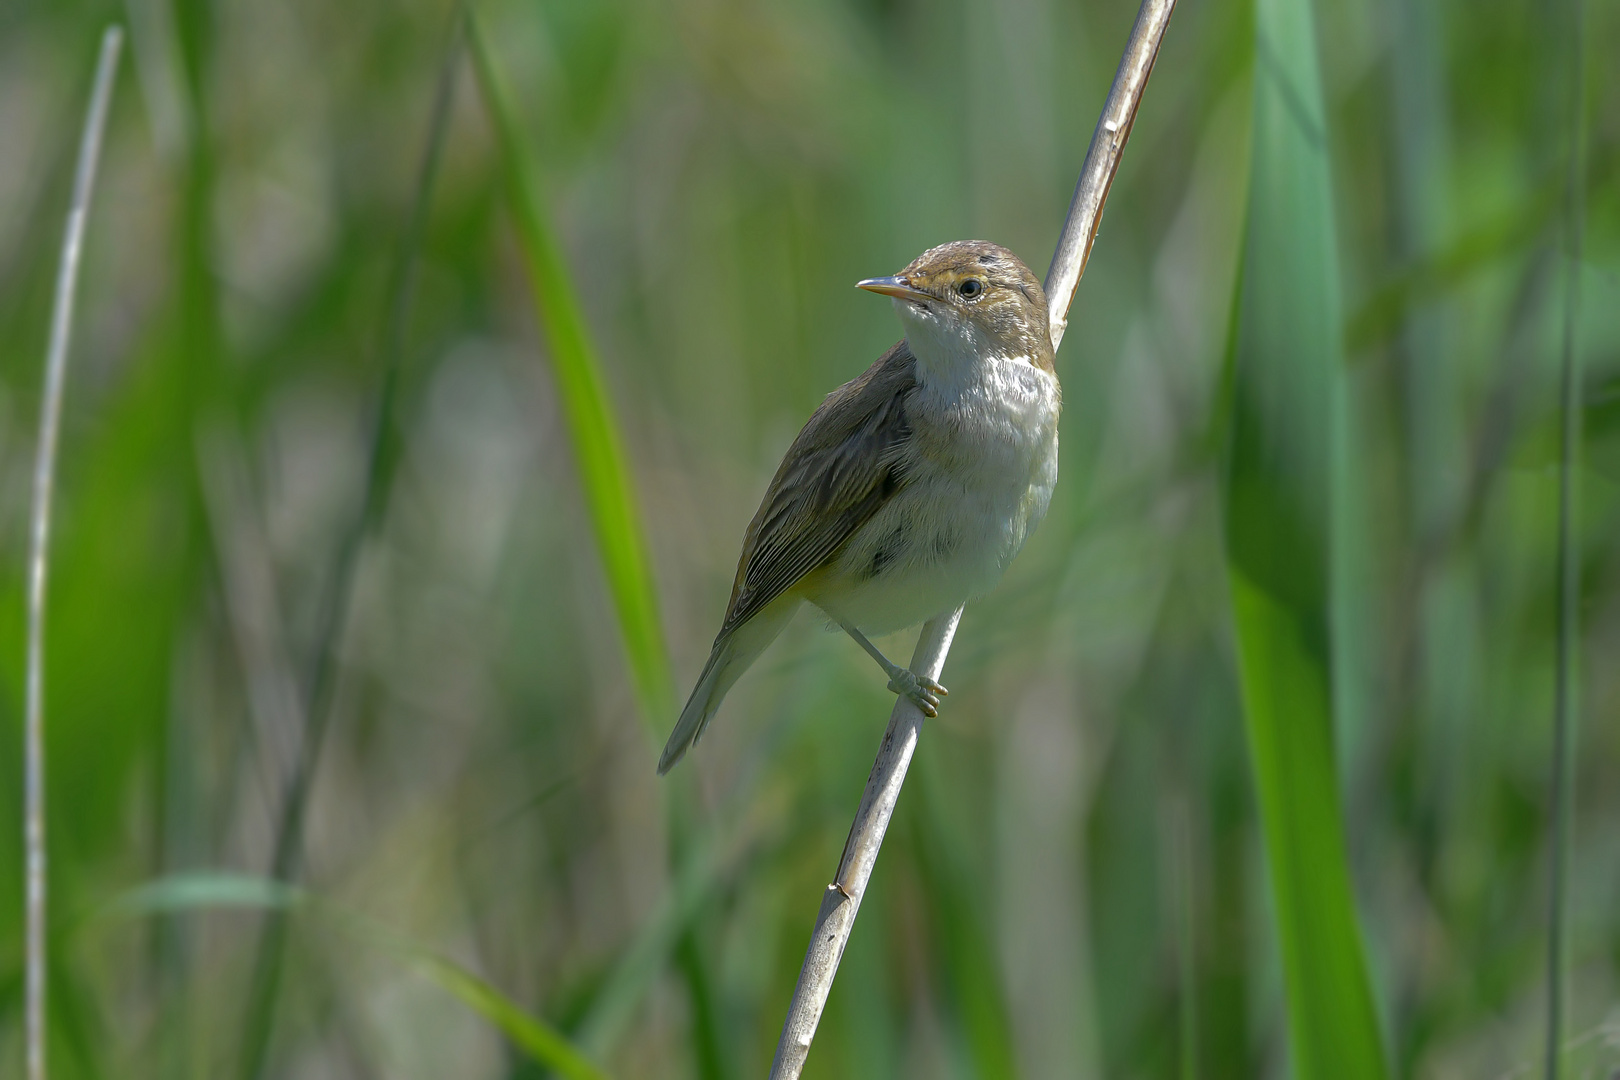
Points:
[[1075, 883]]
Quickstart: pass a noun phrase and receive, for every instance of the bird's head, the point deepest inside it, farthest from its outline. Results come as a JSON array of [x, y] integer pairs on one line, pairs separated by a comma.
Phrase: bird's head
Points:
[[970, 297]]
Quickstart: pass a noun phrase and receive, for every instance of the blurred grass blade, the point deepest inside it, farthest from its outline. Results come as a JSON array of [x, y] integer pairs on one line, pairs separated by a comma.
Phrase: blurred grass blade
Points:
[[188, 892], [210, 890], [260, 1012], [1566, 642], [540, 1041], [1486, 244], [1331, 1020], [1181, 876], [605, 481], [39, 542], [696, 880], [979, 1010], [709, 859], [598, 450], [1286, 416]]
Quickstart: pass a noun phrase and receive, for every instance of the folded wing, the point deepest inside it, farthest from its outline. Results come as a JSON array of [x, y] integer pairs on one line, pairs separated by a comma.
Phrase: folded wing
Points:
[[846, 463]]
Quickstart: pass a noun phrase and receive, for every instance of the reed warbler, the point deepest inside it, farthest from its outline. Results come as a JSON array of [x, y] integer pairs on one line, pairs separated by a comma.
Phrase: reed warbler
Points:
[[913, 485]]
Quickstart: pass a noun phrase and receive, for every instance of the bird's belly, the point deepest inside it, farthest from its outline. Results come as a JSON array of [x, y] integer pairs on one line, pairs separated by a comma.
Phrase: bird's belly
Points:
[[896, 575], [948, 535]]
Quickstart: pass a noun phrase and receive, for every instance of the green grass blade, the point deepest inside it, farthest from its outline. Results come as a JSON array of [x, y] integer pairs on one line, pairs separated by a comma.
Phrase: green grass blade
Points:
[[544, 1044], [1566, 641], [212, 890], [621, 542], [189, 892], [1331, 1021], [598, 450], [1286, 410]]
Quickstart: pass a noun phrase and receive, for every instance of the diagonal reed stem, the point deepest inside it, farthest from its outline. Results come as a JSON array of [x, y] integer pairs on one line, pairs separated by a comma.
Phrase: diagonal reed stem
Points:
[[842, 899], [1567, 639], [1102, 161], [39, 535]]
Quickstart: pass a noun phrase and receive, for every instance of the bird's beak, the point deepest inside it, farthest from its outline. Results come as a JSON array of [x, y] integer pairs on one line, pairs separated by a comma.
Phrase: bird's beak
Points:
[[894, 286]]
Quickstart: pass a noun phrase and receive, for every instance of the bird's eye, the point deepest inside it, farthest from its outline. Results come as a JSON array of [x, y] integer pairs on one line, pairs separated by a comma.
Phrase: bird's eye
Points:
[[971, 288]]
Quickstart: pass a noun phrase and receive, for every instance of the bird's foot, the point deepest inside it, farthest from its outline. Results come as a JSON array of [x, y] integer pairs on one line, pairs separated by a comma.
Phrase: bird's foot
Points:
[[920, 689]]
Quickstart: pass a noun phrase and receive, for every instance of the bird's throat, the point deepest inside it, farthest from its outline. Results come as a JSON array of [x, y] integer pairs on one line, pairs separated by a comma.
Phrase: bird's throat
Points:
[[954, 354]]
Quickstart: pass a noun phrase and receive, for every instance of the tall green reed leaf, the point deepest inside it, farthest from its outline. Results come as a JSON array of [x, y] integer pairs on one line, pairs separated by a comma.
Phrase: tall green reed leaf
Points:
[[609, 496], [598, 450], [1286, 419], [604, 476]]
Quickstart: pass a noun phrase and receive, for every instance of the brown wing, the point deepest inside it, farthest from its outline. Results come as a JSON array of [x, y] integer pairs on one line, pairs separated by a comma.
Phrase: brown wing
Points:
[[844, 465]]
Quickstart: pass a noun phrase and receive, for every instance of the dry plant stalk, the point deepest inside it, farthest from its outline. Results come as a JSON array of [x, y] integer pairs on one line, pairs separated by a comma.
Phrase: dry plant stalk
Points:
[[842, 900], [39, 535]]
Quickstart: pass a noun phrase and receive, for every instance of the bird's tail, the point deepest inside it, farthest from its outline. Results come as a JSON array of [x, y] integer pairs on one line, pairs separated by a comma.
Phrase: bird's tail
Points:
[[700, 707], [732, 655]]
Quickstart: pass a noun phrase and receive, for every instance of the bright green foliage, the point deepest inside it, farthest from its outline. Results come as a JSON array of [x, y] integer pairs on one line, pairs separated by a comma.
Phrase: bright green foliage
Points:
[[1331, 1023], [604, 473], [1286, 424]]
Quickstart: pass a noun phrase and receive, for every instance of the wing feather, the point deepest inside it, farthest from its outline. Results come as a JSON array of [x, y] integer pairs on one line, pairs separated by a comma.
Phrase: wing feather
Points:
[[847, 462]]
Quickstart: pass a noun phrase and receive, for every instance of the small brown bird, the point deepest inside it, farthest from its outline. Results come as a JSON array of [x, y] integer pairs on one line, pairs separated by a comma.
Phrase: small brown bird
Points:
[[913, 486]]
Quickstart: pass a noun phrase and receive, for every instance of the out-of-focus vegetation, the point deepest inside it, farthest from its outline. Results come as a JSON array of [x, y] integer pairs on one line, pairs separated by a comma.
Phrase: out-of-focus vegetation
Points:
[[1287, 453], [1076, 883]]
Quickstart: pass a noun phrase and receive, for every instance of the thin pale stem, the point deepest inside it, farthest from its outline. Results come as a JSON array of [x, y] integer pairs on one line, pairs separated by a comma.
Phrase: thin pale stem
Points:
[[842, 900], [39, 535], [1102, 161]]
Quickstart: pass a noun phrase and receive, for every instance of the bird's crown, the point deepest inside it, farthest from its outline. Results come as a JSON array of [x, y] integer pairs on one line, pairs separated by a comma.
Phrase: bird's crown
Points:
[[975, 282]]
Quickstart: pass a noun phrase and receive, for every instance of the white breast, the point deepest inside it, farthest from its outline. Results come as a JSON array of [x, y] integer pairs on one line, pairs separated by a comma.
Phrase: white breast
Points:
[[988, 450], [983, 463]]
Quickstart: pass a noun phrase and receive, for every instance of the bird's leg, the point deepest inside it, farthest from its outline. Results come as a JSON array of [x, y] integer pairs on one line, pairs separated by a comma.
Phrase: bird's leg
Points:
[[923, 691]]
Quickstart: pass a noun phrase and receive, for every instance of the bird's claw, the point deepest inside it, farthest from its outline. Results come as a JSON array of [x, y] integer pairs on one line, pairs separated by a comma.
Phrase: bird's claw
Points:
[[919, 689]]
